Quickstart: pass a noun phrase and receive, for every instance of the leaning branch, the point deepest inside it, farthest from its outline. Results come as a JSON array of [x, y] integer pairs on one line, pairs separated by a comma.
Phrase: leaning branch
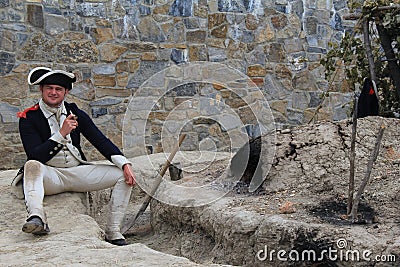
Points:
[[365, 180], [128, 225], [352, 16], [368, 50], [394, 6], [355, 16]]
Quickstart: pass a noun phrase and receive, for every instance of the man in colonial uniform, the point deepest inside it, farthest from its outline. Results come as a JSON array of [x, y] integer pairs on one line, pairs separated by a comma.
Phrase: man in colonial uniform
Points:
[[50, 132]]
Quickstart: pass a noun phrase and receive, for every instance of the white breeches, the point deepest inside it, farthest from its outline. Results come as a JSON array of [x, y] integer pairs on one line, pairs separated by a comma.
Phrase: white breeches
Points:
[[41, 180]]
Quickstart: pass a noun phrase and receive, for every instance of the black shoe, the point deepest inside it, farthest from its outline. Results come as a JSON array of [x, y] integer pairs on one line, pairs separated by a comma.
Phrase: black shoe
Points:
[[117, 242], [35, 225]]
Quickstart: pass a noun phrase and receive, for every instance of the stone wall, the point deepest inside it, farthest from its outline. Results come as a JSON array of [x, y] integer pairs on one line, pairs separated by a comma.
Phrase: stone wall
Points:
[[115, 46]]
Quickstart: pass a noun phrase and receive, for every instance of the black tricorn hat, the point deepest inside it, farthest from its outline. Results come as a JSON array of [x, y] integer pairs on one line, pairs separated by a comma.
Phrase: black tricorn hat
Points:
[[42, 75]]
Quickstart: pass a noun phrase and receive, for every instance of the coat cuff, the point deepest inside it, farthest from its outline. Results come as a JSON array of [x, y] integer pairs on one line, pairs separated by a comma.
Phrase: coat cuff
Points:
[[57, 137], [120, 160]]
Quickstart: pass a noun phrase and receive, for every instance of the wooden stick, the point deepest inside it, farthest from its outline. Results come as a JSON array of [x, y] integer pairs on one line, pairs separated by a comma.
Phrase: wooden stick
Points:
[[370, 56], [157, 183], [364, 182], [368, 50], [352, 156]]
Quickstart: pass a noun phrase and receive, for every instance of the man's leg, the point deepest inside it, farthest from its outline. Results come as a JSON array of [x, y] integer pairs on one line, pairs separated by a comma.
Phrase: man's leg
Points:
[[39, 180], [34, 194], [119, 202], [86, 178]]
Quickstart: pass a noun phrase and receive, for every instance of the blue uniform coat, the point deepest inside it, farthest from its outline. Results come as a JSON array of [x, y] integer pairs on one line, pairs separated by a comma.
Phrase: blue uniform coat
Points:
[[35, 133]]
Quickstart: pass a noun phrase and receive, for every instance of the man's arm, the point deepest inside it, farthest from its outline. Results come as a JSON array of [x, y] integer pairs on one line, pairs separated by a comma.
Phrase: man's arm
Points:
[[32, 140]]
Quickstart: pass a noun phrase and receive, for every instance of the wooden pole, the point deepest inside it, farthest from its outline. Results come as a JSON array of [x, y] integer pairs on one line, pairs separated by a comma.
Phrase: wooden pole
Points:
[[365, 180], [370, 56], [368, 50], [157, 183], [352, 156]]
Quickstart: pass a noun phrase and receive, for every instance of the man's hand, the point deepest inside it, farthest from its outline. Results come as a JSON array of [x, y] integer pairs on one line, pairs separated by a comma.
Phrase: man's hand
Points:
[[130, 178], [69, 124]]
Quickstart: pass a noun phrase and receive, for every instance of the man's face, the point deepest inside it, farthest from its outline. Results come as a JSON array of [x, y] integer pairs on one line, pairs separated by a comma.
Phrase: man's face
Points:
[[53, 95]]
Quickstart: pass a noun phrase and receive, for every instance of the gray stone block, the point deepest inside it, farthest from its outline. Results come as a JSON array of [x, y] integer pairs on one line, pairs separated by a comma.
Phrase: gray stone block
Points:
[[104, 69], [315, 99], [21, 38], [182, 8], [248, 37], [179, 56], [15, 15], [8, 113], [281, 8], [188, 89], [295, 117], [231, 6], [339, 4], [4, 3], [146, 70], [298, 8], [311, 25], [150, 31], [300, 100], [14, 27], [191, 23], [97, 112], [144, 10], [336, 22], [216, 54], [105, 102], [7, 62], [55, 24], [52, 10], [316, 50], [86, 9]]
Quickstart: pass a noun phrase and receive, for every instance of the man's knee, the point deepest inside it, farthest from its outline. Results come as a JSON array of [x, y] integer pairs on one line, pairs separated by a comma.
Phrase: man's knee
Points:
[[32, 168]]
